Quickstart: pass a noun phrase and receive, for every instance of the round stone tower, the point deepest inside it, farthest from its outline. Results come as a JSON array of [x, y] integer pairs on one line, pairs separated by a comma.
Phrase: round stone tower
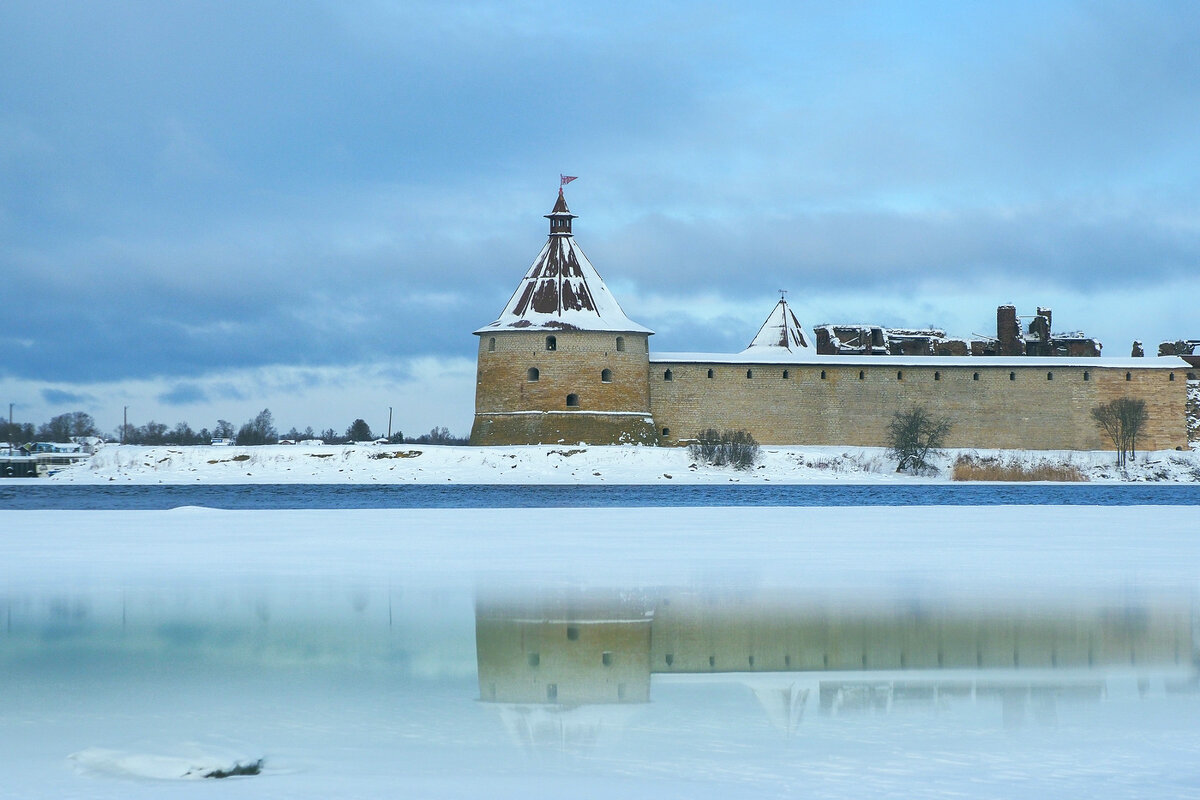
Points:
[[562, 363]]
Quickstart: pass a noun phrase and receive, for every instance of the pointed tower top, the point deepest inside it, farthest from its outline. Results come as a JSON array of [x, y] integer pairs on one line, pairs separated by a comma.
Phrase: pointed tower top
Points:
[[562, 290], [560, 217], [781, 330]]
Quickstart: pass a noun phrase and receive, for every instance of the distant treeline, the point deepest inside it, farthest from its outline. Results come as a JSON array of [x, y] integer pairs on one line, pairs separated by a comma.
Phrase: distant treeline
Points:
[[260, 430]]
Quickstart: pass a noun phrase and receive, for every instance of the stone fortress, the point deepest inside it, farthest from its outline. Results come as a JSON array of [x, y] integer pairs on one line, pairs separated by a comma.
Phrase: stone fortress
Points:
[[564, 364]]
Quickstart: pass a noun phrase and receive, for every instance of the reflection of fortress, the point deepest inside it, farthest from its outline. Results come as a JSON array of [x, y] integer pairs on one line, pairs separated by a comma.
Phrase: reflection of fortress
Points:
[[574, 650], [563, 363]]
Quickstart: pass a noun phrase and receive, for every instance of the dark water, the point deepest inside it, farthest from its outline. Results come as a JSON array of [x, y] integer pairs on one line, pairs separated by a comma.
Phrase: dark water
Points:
[[20, 495]]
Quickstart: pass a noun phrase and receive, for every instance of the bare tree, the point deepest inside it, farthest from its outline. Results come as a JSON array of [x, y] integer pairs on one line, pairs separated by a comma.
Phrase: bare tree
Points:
[[912, 435], [1122, 420]]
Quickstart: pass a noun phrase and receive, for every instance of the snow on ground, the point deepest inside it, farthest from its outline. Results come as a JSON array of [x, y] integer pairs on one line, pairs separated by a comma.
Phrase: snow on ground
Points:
[[1042, 547], [542, 464]]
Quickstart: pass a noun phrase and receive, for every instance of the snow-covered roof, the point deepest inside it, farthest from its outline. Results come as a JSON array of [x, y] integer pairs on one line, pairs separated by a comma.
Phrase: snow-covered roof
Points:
[[780, 334], [562, 290], [781, 356]]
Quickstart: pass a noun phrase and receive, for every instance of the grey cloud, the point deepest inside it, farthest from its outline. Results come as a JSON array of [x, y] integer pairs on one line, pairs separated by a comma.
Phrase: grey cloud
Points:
[[332, 183], [183, 394], [60, 397]]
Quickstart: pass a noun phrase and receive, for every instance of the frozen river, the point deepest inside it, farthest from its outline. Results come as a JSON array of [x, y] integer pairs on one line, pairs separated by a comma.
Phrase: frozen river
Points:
[[825, 651]]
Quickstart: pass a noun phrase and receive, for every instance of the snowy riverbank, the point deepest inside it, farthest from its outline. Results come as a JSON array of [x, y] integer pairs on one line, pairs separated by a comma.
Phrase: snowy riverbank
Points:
[[567, 465]]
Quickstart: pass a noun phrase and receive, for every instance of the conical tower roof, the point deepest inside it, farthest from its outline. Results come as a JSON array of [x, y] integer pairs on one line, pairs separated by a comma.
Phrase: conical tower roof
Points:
[[781, 332], [562, 290]]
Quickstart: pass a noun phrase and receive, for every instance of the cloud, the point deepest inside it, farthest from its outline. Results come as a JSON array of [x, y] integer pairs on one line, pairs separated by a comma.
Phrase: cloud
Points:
[[183, 394], [60, 397]]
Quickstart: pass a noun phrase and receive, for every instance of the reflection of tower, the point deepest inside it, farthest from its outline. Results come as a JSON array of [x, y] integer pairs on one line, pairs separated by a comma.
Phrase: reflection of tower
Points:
[[562, 650], [784, 701], [562, 669], [547, 729]]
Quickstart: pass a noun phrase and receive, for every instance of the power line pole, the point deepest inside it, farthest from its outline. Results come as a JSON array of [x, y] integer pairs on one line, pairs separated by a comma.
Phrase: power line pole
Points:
[[124, 423], [389, 422]]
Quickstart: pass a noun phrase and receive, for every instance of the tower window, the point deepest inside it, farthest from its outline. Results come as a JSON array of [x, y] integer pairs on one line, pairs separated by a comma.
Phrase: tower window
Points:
[[572, 401], [606, 659], [551, 343], [606, 376], [937, 376], [1087, 376], [711, 374], [861, 375], [572, 633], [822, 374], [899, 376], [1128, 376], [1171, 377], [666, 432], [492, 344], [667, 376], [749, 373], [1049, 376], [620, 344], [532, 375], [974, 376], [1012, 376], [785, 375]]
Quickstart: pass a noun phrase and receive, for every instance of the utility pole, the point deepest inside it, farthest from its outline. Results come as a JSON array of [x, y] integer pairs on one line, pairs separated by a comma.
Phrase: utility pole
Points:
[[10, 430], [124, 423], [389, 422]]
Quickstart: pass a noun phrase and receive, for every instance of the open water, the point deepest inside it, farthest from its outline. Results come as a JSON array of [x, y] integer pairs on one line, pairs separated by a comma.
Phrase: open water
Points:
[[27, 496]]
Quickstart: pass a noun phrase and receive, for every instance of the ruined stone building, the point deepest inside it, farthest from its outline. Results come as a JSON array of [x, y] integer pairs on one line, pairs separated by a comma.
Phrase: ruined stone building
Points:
[[1187, 349], [563, 363], [1012, 339]]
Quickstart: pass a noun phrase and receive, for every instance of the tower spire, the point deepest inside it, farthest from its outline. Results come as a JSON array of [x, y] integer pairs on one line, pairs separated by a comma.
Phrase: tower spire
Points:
[[560, 217]]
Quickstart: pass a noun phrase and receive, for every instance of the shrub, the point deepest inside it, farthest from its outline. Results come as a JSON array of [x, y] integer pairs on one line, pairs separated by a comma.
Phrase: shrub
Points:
[[969, 467], [737, 449]]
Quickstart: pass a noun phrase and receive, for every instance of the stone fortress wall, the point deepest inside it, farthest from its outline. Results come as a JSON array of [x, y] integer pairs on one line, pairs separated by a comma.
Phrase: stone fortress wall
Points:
[[563, 386], [839, 401]]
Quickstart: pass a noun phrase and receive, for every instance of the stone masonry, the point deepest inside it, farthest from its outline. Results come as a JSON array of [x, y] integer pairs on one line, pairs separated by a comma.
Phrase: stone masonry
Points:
[[990, 406], [604, 373]]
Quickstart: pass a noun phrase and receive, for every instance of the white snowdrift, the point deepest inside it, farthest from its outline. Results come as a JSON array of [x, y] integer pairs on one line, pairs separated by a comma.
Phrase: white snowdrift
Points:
[[192, 763]]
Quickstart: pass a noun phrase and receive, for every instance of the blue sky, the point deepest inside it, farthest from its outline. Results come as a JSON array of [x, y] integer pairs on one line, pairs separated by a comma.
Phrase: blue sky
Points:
[[211, 208]]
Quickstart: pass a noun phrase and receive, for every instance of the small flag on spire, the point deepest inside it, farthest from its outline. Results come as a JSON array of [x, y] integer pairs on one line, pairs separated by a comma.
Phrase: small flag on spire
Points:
[[565, 179]]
